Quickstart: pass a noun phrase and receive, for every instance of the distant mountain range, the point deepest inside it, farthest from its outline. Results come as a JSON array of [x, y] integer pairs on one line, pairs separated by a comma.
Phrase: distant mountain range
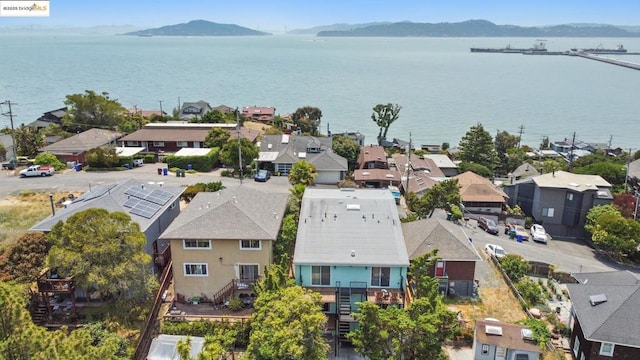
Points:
[[479, 28], [199, 28], [334, 27]]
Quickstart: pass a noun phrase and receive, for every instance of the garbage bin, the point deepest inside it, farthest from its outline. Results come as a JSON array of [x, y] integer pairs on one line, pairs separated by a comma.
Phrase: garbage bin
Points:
[[165, 171], [127, 166], [182, 172], [519, 238], [159, 171], [178, 172], [78, 167], [189, 167]]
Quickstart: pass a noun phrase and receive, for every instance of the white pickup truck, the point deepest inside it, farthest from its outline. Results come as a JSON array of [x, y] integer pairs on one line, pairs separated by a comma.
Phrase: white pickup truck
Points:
[[38, 170]]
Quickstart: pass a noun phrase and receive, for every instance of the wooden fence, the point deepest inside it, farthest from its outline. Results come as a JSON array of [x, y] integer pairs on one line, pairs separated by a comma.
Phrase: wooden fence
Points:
[[150, 328]]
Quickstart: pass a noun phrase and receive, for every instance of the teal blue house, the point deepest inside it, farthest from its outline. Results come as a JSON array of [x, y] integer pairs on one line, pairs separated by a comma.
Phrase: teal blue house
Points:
[[350, 249]]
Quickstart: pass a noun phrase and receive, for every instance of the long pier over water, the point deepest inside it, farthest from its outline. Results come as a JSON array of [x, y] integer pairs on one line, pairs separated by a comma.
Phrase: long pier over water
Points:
[[623, 63]]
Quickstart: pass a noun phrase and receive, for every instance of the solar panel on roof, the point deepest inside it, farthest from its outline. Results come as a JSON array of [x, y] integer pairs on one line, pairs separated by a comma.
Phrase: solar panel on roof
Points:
[[159, 197], [145, 209], [131, 202], [597, 299], [137, 192]]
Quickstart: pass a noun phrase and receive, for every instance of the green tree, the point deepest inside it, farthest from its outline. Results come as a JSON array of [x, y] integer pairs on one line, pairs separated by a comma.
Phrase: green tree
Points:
[[385, 115], [442, 195], [530, 291], [595, 212], [347, 148], [229, 153], [216, 137], [505, 141], [29, 141], [283, 247], [287, 324], [476, 169], [515, 266], [103, 251], [49, 159], [102, 157], [88, 110], [212, 117], [276, 278], [613, 173], [24, 260], [302, 172], [476, 146], [132, 123], [616, 234], [307, 119], [551, 165]]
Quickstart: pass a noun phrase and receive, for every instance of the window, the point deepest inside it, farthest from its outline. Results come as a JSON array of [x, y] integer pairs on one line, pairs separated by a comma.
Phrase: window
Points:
[[250, 245], [158, 143], [132, 143], [196, 244], [380, 276], [485, 349], [195, 270], [182, 143], [321, 275], [522, 357], [576, 346], [606, 349], [248, 273], [548, 212], [570, 196]]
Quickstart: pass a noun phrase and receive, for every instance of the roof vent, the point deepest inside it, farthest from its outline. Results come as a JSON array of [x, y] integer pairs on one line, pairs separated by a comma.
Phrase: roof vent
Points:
[[527, 334], [366, 173], [597, 299], [269, 146], [493, 330], [355, 207], [389, 176]]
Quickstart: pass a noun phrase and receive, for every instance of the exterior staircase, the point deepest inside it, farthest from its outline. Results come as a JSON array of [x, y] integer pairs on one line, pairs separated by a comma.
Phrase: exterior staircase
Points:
[[344, 313], [225, 292], [40, 314]]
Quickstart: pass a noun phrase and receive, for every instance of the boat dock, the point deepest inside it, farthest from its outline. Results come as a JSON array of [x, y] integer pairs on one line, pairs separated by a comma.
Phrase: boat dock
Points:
[[622, 63]]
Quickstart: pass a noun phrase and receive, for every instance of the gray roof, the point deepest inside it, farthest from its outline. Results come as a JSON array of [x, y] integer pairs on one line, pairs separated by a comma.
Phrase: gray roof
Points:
[[87, 140], [625, 277], [425, 235], [574, 182], [112, 198], [634, 168], [239, 213], [615, 320], [290, 147], [336, 223], [525, 170]]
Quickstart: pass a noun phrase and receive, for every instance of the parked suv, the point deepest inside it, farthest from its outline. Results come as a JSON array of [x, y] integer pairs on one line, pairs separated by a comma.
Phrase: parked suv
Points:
[[488, 225]]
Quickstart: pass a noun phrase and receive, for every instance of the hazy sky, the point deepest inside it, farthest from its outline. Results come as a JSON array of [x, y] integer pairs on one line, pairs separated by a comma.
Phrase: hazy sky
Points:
[[275, 15]]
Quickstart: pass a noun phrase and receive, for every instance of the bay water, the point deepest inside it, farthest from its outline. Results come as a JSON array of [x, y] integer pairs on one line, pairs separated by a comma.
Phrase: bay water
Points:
[[442, 87]]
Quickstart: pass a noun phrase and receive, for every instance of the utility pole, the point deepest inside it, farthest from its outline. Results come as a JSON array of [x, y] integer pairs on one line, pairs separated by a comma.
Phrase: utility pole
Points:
[[635, 212], [13, 132], [520, 132], [609, 146], [406, 188], [161, 112], [571, 151], [239, 147]]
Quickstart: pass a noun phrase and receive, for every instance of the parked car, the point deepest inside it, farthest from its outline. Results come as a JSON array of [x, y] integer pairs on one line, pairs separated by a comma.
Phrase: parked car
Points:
[[488, 225], [495, 250], [517, 231], [262, 175], [17, 162], [538, 233]]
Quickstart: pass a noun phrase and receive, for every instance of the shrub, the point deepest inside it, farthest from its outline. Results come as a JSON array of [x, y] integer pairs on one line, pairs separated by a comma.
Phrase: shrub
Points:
[[235, 305], [199, 163], [529, 290], [515, 266], [50, 159]]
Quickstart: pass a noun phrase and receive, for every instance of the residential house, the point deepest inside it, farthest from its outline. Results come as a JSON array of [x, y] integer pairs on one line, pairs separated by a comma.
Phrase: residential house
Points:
[[604, 316], [74, 148], [480, 195], [422, 172], [168, 138], [560, 200], [456, 257], [278, 153], [145, 113], [431, 148], [152, 206], [190, 110], [165, 347], [224, 109], [523, 171], [350, 248], [561, 147], [374, 170], [222, 241], [496, 340], [263, 114], [355, 136], [444, 163], [49, 118]]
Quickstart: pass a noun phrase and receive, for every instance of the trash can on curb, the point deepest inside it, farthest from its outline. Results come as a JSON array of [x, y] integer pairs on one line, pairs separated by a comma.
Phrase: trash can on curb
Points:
[[189, 167], [165, 171], [127, 166], [78, 167], [177, 172]]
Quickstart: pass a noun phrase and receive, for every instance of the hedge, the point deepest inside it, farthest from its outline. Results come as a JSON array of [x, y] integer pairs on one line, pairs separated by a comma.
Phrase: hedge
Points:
[[200, 163]]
